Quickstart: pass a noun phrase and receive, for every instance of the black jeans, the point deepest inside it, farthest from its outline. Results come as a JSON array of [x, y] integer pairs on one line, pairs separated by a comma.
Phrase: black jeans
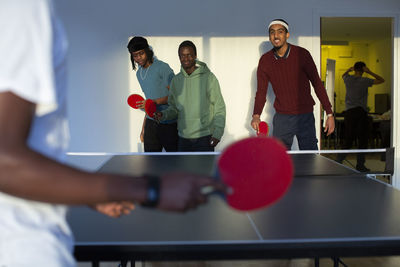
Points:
[[158, 136], [301, 125], [356, 127], [195, 144]]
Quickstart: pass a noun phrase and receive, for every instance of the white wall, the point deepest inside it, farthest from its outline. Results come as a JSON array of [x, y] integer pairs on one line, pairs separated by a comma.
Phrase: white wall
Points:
[[233, 60], [375, 54], [233, 34]]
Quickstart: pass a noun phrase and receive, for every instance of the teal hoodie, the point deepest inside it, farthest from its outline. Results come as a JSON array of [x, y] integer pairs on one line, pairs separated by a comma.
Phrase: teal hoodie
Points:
[[196, 101]]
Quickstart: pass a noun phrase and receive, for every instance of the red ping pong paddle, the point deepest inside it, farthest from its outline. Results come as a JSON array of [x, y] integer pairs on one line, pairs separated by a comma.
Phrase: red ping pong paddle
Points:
[[134, 100], [258, 170], [150, 107], [263, 129]]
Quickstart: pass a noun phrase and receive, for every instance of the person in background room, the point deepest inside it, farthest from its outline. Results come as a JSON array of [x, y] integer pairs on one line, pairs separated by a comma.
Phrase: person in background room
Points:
[[356, 122]]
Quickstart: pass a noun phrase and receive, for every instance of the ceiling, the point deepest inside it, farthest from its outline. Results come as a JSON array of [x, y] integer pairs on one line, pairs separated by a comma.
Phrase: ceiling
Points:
[[355, 29]]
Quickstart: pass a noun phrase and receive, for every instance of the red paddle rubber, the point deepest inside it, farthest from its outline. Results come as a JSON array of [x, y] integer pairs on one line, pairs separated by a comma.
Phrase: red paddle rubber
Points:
[[150, 107], [134, 99], [258, 170], [263, 129]]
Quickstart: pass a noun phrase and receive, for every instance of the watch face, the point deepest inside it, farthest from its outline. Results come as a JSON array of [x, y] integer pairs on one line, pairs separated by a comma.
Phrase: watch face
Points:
[[152, 194], [153, 191]]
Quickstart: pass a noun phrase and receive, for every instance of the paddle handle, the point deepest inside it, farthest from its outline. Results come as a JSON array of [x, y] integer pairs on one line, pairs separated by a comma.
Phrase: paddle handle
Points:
[[209, 189]]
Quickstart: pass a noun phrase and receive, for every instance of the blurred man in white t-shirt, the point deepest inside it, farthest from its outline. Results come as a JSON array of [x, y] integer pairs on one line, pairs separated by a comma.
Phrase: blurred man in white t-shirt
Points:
[[34, 184]]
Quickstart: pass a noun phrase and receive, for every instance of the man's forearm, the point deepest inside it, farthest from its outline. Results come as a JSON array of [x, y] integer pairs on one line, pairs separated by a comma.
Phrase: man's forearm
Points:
[[376, 76], [347, 71], [161, 100], [46, 180]]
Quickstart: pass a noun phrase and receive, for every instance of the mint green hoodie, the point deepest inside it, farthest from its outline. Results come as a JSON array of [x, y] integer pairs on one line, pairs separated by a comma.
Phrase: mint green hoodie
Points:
[[197, 102]]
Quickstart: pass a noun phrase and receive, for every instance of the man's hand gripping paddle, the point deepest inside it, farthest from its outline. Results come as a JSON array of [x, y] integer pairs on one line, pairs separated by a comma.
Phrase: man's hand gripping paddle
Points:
[[135, 101], [258, 172]]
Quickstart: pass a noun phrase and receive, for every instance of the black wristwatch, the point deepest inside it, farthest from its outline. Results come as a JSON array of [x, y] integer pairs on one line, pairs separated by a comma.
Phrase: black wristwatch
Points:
[[153, 191]]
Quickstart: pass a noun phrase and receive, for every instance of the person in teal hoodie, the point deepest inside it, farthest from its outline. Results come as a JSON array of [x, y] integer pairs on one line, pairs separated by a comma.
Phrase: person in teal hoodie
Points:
[[154, 77], [196, 101]]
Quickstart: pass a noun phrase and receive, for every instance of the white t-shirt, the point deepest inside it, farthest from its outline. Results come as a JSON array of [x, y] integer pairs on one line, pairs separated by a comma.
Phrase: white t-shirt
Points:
[[32, 52]]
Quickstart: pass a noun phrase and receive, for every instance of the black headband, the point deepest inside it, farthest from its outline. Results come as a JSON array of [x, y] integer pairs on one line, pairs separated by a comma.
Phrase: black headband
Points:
[[137, 43]]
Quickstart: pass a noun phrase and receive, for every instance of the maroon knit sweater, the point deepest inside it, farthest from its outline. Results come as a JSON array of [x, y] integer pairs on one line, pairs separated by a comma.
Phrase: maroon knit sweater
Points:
[[290, 79]]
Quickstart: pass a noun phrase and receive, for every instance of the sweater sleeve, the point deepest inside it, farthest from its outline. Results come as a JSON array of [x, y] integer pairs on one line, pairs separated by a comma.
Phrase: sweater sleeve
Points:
[[171, 112], [219, 110], [262, 87], [313, 76], [167, 74]]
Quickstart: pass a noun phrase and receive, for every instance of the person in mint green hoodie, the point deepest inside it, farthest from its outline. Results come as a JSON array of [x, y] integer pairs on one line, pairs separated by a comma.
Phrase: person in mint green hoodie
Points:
[[195, 99]]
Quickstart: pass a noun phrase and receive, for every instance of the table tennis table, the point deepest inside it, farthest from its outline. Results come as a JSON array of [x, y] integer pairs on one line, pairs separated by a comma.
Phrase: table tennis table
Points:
[[329, 211]]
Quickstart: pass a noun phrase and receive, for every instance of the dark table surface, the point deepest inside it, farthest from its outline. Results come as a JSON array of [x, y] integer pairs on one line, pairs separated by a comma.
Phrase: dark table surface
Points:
[[329, 210]]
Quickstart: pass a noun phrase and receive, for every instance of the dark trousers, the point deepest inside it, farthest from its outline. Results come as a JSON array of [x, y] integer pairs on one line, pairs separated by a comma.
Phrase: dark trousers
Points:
[[195, 144], [356, 128], [301, 125], [158, 136]]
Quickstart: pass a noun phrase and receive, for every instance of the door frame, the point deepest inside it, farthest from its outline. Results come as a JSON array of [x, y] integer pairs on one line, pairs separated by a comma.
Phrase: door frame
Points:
[[316, 52]]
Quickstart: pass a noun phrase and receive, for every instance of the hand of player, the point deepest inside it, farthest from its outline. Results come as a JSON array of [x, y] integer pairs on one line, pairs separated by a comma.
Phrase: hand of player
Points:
[[350, 69], [366, 70], [141, 104], [329, 125], [181, 191], [157, 116], [255, 122], [114, 209], [142, 136], [214, 141]]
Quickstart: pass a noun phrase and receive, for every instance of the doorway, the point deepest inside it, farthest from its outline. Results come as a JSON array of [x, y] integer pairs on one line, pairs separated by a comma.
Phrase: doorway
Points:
[[344, 41]]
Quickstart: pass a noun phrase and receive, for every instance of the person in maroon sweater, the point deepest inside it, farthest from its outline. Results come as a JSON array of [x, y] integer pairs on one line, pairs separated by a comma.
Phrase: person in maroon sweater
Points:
[[290, 69]]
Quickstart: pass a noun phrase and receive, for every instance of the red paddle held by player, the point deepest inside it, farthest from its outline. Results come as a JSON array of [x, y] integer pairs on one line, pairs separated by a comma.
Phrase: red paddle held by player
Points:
[[263, 129], [258, 172], [137, 102], [150, 107]]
